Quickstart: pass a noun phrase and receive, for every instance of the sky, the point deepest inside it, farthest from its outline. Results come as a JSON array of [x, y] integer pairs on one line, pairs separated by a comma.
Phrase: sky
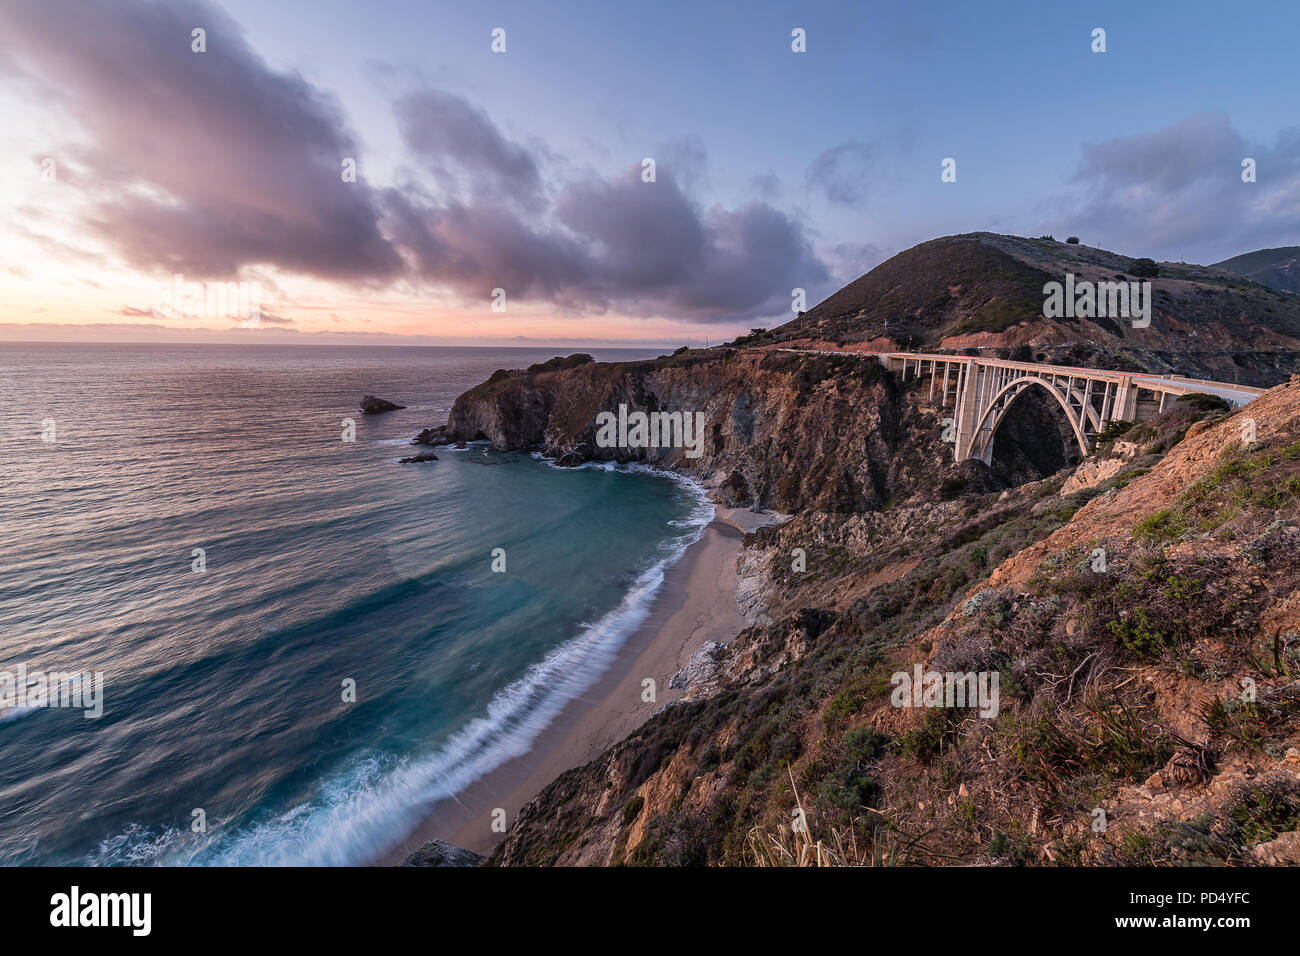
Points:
[[505, 196]]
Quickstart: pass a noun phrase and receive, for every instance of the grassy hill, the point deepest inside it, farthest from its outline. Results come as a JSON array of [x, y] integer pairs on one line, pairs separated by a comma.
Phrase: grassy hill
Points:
[[984, 289], [1277, 268]]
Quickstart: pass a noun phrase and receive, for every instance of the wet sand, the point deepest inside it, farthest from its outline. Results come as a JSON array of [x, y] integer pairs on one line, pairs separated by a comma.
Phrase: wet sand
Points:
[[695, 604]]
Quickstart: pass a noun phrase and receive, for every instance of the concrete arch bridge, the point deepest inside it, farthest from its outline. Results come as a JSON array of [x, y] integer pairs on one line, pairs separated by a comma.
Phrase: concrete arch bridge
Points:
[[982, 390]]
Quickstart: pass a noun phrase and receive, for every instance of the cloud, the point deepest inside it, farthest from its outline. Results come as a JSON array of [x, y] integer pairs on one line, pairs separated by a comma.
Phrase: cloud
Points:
[[843, 172], [58, 249], [459, 144], [742, 262], [686, 161], [1179, 190], [215, 165], [597, 244], [203, 163], [619, 243], [766, 185]]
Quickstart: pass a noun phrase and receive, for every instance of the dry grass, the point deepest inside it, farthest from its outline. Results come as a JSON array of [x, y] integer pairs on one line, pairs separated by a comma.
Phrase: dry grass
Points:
[[794, 845]]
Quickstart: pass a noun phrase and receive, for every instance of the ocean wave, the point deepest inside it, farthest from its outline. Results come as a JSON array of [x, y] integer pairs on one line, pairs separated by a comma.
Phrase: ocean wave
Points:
[[368, 806], [13, 713]]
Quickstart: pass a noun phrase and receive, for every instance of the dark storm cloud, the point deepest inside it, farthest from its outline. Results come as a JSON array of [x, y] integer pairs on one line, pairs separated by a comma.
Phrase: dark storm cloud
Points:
[[598, 244], [473, 249], [738, 262], [642, 248], [211, 163]]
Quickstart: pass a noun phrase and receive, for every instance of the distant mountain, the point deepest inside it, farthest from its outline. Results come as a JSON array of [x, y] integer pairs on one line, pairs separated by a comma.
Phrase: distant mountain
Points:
[[1277, 268], [984, 289]]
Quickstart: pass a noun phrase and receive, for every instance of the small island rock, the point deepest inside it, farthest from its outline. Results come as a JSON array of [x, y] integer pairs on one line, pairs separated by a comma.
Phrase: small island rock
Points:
[[371, 405]]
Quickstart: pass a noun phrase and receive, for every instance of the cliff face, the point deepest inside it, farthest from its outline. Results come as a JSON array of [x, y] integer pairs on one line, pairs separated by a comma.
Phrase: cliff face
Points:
[[1123, 735], [782, 431], [1122, 688]]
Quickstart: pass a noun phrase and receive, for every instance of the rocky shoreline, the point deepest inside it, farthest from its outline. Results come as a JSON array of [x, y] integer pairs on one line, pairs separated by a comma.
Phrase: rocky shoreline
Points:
[[904, 548]]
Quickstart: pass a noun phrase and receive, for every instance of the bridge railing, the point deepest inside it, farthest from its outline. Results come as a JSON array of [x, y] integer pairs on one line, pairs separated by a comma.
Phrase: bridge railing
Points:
[[1151, 382]]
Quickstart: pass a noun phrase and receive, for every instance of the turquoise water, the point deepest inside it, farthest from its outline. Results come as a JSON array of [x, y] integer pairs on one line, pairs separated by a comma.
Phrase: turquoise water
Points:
[[325, 561]]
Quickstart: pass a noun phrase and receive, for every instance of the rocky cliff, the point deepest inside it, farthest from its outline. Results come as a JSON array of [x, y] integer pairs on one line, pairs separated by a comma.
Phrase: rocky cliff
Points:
[[783, 430], [1124, 736], [1140, 607]]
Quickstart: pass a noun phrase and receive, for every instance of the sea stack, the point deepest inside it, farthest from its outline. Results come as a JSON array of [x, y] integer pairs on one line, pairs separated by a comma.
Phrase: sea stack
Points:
[[371, 405]]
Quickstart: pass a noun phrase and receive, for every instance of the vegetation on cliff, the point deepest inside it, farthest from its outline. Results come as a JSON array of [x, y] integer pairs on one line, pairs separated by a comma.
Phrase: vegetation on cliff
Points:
[[986, 290], [1121, 689], [1141, 608]]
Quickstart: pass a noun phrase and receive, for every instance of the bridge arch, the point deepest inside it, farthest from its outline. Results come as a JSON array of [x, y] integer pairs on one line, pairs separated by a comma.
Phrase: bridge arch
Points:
[[996, 411]]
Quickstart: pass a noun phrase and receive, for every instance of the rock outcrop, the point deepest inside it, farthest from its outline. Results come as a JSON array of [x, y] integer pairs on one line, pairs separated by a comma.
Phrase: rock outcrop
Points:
[[697, 676], [441, 853], [1125, 603], [1121, 679], [783, 431], [370, 405], [433, 437]]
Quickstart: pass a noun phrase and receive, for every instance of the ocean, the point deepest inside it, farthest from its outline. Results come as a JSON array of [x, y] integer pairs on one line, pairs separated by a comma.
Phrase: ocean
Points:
[[199, 532]]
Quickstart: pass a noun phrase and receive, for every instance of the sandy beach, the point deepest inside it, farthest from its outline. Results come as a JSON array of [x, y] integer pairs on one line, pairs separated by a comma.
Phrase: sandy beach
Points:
[[696, 604]]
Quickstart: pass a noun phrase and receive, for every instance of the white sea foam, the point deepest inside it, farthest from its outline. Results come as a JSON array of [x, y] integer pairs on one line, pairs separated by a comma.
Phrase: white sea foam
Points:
[[367, 807]]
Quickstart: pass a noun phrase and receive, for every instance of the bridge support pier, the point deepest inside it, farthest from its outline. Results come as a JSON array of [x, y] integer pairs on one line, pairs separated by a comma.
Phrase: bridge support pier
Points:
[[1126, 402], [967, 411]]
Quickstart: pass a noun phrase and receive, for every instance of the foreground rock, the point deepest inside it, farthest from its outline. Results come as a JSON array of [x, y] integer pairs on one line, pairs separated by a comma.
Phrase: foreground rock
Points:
[[371, 405], [441, 853], [700, 669], [433, 437], [422, 456]]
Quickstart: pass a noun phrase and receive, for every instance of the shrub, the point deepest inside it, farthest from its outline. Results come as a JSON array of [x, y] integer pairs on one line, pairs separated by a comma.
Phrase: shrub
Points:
[[1113, 430], [632, 809], [951, 487], [1206, 403], [1163, 525], [562, 362]]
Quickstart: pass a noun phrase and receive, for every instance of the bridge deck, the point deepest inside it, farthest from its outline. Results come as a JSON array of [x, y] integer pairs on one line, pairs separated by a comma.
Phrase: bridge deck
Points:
[[1170, 384], [983, 389]]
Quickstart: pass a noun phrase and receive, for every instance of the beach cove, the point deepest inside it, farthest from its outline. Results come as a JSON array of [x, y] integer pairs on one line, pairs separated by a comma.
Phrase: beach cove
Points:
[[695, 604]]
